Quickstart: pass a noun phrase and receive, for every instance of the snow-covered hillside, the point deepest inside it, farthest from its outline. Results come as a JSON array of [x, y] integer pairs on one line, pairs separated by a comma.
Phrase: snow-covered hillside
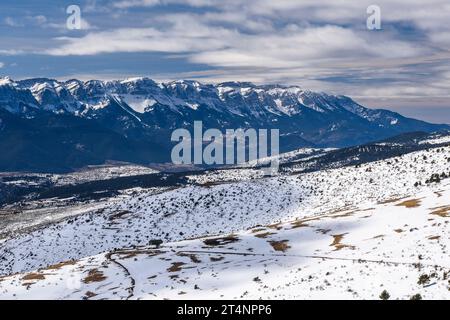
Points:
[[400, 246], [358, 207]]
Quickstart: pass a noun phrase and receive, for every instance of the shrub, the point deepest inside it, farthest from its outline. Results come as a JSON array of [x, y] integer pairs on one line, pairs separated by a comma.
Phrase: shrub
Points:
[[385, 295], [423, 279]]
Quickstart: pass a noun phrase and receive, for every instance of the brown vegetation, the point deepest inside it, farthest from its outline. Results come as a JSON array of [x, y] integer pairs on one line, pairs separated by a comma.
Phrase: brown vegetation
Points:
[[94, 275], [280, 245]]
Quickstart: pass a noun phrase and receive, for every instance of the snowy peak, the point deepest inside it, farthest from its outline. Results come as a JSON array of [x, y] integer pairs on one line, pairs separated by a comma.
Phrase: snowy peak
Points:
[[6, 81], [15, 99], [243, 98]]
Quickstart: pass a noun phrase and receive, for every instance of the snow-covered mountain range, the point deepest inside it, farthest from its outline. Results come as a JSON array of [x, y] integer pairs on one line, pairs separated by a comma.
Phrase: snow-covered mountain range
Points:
[[54, 124]]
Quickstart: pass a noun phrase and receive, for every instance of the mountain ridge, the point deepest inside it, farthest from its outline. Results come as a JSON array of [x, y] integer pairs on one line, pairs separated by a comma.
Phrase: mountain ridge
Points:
[[144, 112]]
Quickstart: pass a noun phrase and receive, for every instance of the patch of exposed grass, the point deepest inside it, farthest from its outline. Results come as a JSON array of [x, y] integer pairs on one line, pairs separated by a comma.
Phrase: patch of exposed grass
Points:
[[123, 254], [413, 203], [441, 211], [60, 265], [276, 226], [390, 201], [264, 235], [176, 266], [191, 256], [298, 224], [33, 276], [337, 238], [94, 275], [221, 241], [342, 215], [280, 245]]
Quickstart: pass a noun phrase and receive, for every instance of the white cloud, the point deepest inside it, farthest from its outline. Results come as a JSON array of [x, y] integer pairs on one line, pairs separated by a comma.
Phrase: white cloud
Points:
[[85, 25], [218, 46], [124, 4], [11, 52], [135, 3], [12, 22], [322, 45], [38, 20], [43, 22], [245, 41], [2, 64], [137, 40]]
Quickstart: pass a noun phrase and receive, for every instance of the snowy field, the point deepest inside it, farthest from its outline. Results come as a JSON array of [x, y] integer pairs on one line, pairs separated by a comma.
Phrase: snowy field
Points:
[[344, 233], [400, 246], [89, 173]]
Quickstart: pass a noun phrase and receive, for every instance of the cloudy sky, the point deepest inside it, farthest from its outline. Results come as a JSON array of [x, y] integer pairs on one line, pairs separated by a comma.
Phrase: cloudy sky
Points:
[[320, 45]]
